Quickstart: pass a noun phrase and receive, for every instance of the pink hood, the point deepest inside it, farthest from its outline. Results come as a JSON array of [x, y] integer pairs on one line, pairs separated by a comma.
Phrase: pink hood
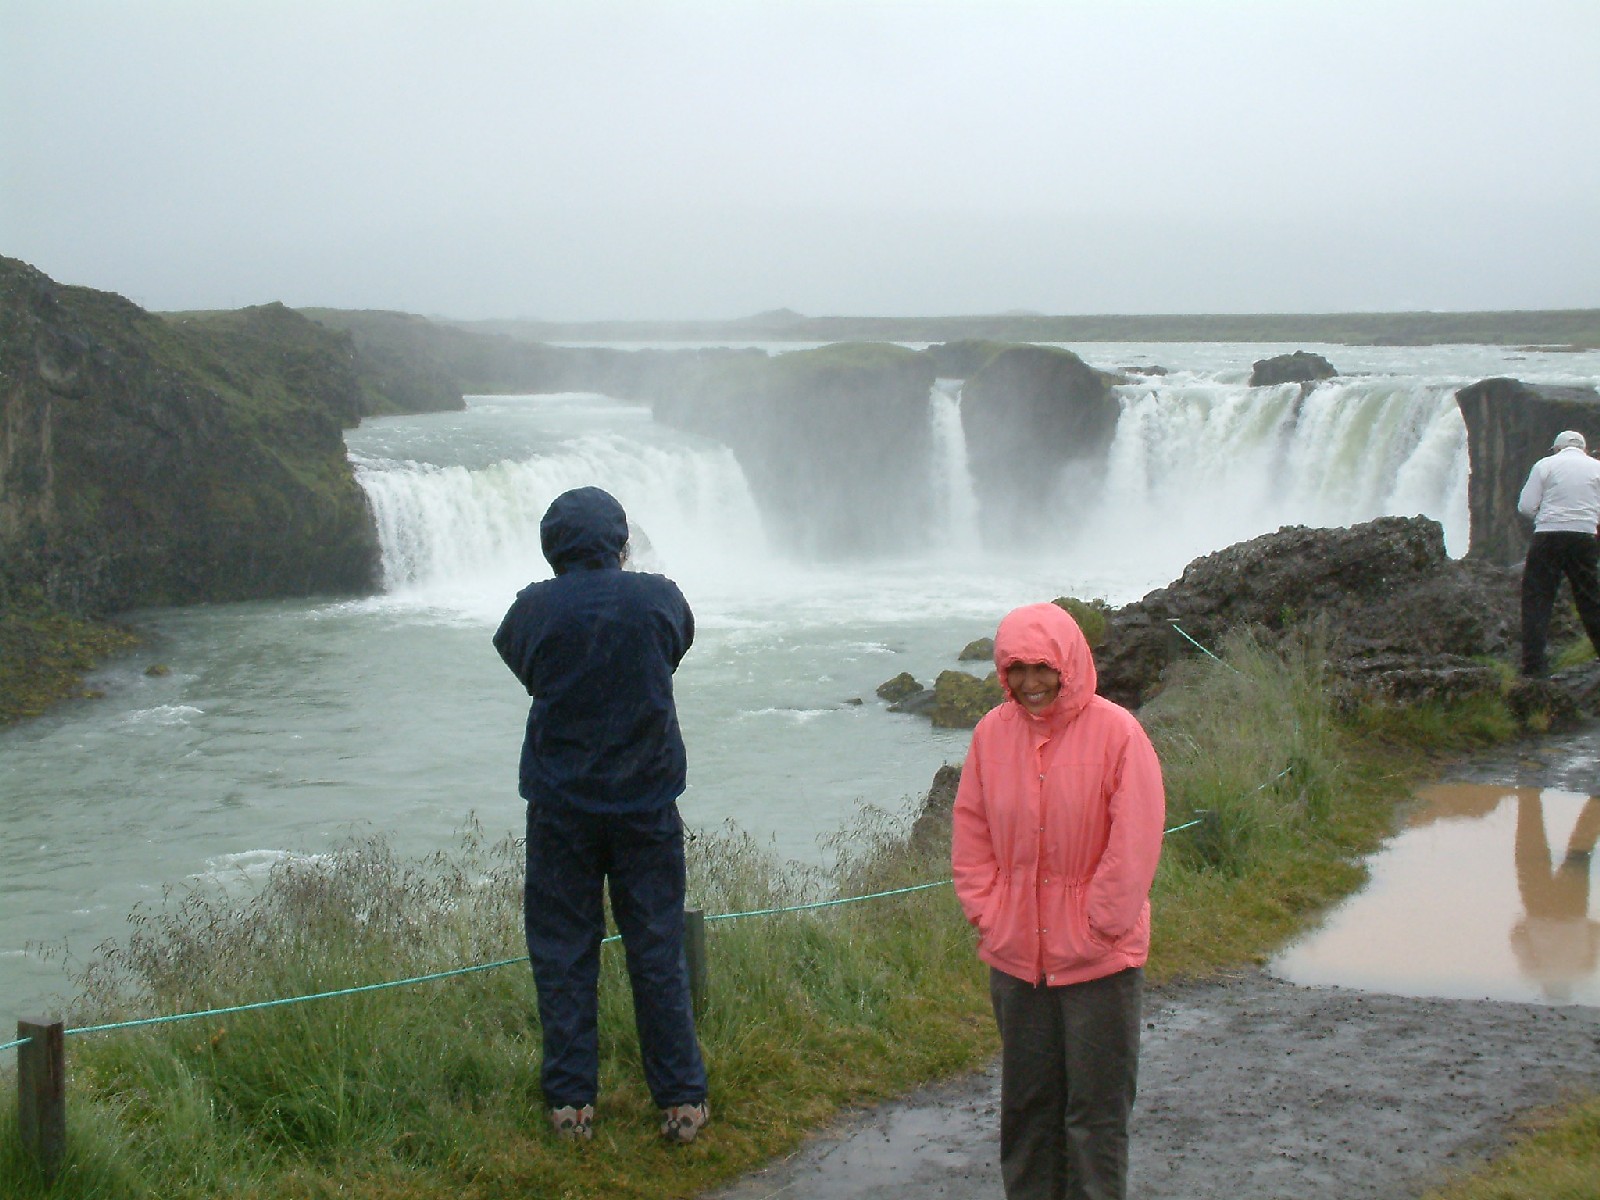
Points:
[[1047, 633]]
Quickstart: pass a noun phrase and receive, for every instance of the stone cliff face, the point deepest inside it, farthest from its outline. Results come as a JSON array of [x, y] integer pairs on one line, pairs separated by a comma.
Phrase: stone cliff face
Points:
[[1510, 426], [1401, 617], [146, 462], [834, 442], [1035, 417]]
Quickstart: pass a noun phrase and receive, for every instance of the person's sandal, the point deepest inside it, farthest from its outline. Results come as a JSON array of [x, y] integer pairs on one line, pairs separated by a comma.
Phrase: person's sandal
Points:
[[573, 1122], [681, 1123]]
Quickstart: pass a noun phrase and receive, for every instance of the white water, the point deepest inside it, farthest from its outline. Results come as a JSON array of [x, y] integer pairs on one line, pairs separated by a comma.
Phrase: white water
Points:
[[958, 503], [1197, 463], [284, 726]]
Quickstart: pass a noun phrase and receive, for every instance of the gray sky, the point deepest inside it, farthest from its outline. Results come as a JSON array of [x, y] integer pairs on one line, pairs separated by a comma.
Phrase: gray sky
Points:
[[629, 158]]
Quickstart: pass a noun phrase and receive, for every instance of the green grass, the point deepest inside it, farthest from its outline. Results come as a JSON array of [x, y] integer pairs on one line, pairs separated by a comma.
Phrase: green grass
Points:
[[1558, 1158], [430, 1090]]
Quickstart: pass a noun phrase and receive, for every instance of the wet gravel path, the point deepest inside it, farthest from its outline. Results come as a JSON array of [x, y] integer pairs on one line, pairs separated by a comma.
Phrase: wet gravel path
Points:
[[1253, 1088]]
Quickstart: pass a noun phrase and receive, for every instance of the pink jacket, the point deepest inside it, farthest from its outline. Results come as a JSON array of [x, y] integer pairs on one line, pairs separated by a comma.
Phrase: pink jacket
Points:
[[1058, 819]]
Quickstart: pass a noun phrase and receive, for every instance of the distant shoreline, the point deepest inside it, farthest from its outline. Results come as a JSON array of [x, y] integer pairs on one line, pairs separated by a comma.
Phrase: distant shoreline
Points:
[[1553, 329]]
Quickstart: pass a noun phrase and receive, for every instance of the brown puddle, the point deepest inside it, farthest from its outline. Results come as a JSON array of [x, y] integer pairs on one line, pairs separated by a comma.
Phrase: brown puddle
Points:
[[1484, 894]]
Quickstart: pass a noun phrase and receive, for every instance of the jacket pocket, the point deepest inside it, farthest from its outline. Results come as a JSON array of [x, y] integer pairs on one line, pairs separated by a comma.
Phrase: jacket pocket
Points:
[[1069, 943], [1006, 925]]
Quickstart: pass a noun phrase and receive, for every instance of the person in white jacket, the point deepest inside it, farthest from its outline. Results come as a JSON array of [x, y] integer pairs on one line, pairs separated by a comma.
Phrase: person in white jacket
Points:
[[1562, 497]]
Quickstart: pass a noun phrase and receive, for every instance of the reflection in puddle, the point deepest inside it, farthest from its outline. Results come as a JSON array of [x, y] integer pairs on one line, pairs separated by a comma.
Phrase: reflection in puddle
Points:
[[1485, 893]]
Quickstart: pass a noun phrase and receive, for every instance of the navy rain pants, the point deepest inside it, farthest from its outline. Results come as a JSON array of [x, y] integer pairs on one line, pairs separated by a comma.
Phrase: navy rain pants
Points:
[[572, 855]]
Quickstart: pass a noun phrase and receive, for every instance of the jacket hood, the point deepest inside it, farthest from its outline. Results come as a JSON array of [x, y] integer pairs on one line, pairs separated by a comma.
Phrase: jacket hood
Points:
[[584, 527], [1046, 633]]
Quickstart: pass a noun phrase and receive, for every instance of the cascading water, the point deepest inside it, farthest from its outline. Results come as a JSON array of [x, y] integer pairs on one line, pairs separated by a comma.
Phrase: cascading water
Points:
[[1198, 464], [467, 536], [957, 504]]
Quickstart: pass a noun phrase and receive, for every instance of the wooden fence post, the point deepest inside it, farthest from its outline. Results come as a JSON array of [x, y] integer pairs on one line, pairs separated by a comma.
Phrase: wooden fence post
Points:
[[694, 950], [42, 1093]]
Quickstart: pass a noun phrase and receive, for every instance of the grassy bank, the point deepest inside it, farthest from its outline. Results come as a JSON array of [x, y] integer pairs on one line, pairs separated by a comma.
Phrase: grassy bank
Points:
[[1556, 1158], [44, 656], [430, 1090]]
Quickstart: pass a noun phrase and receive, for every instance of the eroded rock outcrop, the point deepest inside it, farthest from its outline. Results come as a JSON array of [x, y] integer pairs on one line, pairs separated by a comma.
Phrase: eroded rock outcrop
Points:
[[1302, 366], [834, 442], [1035, 417], [1510, 425], [146, 462], [1401, 617]]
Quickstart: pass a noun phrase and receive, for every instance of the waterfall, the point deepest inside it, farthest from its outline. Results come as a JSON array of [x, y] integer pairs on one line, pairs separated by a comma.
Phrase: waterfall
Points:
[[1197, 465], [466, 537], [1194, 464], [956, 505]]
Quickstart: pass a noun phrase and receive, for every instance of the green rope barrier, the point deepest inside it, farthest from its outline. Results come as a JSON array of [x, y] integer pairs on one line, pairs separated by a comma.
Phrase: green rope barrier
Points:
[[1183, 634], [505, 962], [350, 991], [767, 912]]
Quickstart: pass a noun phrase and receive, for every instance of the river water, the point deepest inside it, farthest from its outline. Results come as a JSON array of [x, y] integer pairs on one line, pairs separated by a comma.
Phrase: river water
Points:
[[281, 728]]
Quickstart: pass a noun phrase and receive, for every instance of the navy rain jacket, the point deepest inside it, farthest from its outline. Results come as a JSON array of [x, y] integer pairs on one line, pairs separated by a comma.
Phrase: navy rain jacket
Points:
[[596, 648]]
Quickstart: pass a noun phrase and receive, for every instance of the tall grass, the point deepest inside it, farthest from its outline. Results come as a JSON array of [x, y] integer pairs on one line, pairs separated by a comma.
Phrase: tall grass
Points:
[[430, 1090]]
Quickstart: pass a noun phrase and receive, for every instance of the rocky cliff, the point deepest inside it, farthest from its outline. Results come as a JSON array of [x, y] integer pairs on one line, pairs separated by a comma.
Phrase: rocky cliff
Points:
[[834, 442], [1510, 426], [146, 461], [1035, 418], [1402, 618]]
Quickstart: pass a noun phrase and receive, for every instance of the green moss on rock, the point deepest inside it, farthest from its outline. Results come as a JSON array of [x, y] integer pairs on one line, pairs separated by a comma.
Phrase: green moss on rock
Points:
[[979, 650], [960, 699], [44, 655], [1092, 616], [899, 688]]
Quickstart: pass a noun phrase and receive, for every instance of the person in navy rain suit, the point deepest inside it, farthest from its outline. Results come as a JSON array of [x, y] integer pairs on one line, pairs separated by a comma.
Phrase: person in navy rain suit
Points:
[[603, 765]]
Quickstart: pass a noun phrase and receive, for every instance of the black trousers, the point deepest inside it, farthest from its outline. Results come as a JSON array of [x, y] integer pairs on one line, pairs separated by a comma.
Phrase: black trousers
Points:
[[572, 857], [1552, 556], [1069, 1064]]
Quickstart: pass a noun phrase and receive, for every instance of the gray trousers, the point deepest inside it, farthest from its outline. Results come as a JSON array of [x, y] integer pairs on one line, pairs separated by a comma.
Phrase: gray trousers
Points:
[[1069, 1064]]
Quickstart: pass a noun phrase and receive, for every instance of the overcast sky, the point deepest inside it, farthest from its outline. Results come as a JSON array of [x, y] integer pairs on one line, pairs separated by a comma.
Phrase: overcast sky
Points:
[[630, 158]]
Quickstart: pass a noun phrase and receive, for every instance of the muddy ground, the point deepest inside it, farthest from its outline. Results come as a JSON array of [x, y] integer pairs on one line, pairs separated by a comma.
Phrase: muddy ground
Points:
[[1253, 1088]]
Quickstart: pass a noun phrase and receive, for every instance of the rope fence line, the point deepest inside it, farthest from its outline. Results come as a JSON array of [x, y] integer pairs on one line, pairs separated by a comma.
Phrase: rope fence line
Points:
[[506, 962], [437, 975], [1181, 632]]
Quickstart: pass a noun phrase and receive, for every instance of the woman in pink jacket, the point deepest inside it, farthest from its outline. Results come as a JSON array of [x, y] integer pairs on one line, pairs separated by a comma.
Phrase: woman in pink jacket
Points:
[[1058, 824]]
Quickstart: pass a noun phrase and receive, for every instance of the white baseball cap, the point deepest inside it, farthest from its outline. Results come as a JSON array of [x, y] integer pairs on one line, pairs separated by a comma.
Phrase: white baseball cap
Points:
[[1569, 438]]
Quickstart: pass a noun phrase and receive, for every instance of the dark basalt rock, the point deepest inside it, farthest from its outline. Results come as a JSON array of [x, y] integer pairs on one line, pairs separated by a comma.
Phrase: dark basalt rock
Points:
[[932, 826], [1398, 612], [823, 437], [963, 359], [1510, 425], [901, 687], [977, 650], [1300, 367], [1035, 413], [146, 461], [918, 704]]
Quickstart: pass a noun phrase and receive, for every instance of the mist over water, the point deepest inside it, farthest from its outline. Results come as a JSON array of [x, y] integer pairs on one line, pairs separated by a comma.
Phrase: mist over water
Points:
[[284, 727]]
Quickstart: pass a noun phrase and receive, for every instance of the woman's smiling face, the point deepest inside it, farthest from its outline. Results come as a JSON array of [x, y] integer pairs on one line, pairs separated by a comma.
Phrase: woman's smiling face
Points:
[[1035, 686]]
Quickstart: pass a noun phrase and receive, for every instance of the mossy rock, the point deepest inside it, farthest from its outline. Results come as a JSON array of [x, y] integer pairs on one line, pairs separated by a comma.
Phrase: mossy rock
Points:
[[981, 650], [960, 699], [899, 688], [1092, 616], [44, 655]]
